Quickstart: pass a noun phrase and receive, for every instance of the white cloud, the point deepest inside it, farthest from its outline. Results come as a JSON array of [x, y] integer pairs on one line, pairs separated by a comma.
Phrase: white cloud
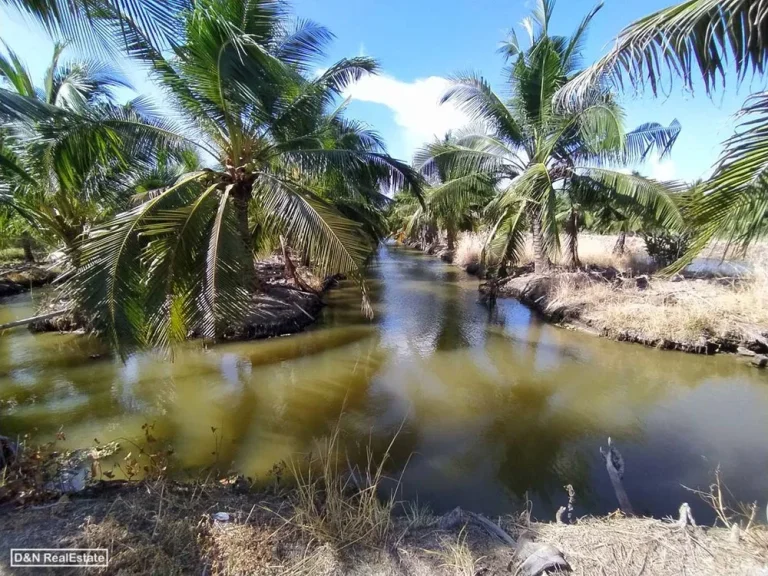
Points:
[[661, 170], [416, 106]]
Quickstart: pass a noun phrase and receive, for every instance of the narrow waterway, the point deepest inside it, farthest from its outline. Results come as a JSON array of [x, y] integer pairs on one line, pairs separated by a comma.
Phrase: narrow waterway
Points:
[[492, 409]]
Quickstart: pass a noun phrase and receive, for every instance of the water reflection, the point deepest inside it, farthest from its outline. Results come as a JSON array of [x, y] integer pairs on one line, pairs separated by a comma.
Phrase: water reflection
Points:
[[491, 408]]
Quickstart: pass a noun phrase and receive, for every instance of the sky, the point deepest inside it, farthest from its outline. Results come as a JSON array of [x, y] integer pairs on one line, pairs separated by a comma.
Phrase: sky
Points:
[[421, 43]]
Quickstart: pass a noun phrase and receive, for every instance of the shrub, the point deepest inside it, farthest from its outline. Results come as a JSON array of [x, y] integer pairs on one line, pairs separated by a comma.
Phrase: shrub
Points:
[[666, 247]]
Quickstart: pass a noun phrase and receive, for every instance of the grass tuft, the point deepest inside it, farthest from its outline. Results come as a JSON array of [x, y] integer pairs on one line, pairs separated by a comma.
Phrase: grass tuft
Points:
[[457, 557], [341, 504]]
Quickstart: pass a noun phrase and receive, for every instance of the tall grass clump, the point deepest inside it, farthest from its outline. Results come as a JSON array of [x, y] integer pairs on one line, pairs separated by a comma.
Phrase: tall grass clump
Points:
[[469, 249], [339, 503], [598, 250]]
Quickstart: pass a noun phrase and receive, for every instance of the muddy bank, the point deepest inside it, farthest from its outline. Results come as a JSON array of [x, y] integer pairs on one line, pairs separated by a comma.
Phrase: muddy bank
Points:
[[23, 277], [440, 250], [597, 300], [281, 307], [164, 528]]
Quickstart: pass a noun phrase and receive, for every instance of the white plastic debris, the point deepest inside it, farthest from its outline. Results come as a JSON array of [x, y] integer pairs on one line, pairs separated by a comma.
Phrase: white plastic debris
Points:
[[221, 517]]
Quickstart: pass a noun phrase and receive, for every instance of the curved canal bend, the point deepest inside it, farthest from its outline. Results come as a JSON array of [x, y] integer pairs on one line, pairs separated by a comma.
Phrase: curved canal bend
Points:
[[492, 408]]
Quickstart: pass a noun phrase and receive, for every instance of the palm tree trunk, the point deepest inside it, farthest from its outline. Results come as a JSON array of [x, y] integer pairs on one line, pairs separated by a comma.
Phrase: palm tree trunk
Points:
[[241, 197], [541, 264], [71, 235], [572, 230], [618, 248], [290, 270], [26, 245], [429, 234], [451, 238]]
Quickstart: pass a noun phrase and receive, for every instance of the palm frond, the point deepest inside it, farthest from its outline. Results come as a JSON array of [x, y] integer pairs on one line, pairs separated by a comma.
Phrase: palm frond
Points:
[[109, 285], [334, 243], [226, 296], [692, 39], [473, 95], [456, 197], [82, 20], [13, 71], [653, 196], [506, 238], [302, 44], [572, 53], [732, 201]]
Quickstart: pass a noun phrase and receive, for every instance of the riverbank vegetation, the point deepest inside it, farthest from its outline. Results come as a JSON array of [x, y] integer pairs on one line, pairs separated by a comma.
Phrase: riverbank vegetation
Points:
[[534, 174], [161, 248], [166, 222], [323, 515], [160, 215], [171, 529]]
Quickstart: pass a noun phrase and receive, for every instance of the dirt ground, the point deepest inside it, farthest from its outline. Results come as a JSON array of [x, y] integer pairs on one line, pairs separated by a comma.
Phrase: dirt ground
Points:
[[170, 529]]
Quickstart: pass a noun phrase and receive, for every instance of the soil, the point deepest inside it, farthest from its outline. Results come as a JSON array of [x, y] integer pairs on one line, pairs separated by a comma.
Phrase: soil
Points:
[[279, 308], [164, 528]]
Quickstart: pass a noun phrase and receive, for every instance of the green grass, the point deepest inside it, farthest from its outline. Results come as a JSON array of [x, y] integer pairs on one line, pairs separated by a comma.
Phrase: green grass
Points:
[[11, 255]]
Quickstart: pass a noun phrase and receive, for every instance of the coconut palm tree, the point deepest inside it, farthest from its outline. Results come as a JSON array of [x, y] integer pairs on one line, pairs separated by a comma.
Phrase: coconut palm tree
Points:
[[241, 80], [535, 149], [454, 198], [61, 190], [707, 40]]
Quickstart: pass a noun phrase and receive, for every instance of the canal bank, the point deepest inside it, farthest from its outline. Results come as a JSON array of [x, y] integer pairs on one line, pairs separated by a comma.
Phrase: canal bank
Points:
[[496, 408]]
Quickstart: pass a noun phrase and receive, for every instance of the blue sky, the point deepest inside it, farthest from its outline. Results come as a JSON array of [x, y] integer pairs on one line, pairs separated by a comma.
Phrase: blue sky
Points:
[[420, 43]]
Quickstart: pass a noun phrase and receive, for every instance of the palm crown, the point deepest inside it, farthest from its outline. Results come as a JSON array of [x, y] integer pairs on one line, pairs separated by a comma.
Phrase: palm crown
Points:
[[60, 159], [535, 150]]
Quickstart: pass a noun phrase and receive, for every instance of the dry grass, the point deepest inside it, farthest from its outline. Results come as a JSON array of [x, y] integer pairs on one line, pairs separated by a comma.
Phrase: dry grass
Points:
[[457, 556], [730, 512], [468, 248], [339, 503], [168, 529], [634, 546], [418, 516], [596, 249], [730, 309], [677, 311]]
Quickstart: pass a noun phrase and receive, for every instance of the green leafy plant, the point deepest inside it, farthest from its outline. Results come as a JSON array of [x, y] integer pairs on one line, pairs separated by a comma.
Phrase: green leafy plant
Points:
[[285, 159], [666, 247]]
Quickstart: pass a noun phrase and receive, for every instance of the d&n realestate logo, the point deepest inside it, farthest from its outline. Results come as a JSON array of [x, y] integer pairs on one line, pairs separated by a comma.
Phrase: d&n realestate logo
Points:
[[59, 557]]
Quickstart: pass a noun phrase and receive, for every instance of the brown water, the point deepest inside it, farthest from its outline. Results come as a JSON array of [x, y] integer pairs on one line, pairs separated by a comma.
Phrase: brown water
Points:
[[494, 408]]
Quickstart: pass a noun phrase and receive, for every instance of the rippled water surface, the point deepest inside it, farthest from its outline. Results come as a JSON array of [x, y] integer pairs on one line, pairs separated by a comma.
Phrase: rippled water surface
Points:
[[491, 408]]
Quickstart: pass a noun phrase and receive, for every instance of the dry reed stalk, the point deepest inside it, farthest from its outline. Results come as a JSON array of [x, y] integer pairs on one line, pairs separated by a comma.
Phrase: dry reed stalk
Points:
[[343, 506]]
